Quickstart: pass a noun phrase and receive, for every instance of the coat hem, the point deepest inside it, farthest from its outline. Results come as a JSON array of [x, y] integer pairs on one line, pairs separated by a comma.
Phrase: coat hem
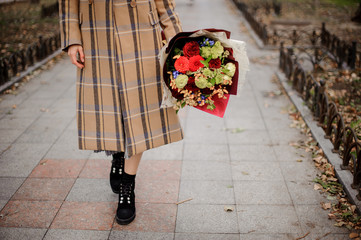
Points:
[[110, 152]]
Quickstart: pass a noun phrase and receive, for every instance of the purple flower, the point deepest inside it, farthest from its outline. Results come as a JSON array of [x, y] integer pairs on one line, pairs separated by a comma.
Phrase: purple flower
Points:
[[175, 74]]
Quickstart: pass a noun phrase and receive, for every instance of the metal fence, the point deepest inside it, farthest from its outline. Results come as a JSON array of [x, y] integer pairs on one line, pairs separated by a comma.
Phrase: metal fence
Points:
[[259, 28], [17, 62], [344, 53], [344, 139]]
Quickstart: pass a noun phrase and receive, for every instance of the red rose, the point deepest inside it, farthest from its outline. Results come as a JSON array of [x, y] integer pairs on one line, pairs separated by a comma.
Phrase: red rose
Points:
[[182, 64], [215, 63], [191, 85], [195, 64], [191, 49]]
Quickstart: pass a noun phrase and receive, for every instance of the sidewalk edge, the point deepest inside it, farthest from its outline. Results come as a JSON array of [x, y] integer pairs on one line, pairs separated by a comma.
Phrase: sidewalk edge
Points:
[[344, 176]]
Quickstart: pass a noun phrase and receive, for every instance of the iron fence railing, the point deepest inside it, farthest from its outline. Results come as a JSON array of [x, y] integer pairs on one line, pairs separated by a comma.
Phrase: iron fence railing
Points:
[[344, 53], [344, 139], [11, 66], [259, 28]]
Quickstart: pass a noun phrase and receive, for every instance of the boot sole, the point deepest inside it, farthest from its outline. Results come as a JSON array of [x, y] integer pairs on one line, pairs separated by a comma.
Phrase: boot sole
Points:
[[114, 191], [124, 221]]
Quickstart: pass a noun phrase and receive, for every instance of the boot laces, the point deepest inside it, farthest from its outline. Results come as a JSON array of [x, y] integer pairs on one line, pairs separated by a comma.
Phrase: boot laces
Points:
[[125, 192], [118, 163]]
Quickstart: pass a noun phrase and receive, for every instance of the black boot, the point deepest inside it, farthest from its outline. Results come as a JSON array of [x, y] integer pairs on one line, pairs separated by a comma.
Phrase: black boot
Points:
[[126, 204], [116, 171]]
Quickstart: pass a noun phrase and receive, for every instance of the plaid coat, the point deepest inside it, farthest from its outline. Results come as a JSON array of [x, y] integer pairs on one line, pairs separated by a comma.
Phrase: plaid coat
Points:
[[119, 90]]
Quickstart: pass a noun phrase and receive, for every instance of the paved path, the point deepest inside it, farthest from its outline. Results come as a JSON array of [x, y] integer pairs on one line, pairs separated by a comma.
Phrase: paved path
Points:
[[51, 190]]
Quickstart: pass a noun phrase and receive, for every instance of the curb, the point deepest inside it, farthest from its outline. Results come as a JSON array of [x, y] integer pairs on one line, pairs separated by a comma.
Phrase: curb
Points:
[[37, 65], [253, 34], [344, 176]]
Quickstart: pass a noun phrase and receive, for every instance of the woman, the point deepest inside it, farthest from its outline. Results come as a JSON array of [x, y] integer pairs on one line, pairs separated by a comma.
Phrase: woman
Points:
[[115, 44]]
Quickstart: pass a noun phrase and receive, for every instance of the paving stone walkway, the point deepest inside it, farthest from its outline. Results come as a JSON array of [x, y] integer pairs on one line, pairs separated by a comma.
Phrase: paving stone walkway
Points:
[[51, 190]]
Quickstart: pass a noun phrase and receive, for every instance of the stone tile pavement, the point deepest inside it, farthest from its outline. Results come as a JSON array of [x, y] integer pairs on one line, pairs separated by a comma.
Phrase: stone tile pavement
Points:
[[51, 190]]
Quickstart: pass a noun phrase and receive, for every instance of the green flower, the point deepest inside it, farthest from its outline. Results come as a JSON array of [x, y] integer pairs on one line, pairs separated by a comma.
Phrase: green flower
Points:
[[217, 50], [205, 52], [208, 73], [219, 78], [230, 69], [227, 78], [181, 81], [201, 82]]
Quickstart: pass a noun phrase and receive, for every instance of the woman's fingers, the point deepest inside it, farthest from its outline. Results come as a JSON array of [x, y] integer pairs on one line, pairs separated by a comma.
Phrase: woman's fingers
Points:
[[81, 54], [73, 52]]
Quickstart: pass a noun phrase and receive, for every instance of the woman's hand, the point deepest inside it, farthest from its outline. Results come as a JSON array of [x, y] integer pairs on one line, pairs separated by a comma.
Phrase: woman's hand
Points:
[[76, 55]]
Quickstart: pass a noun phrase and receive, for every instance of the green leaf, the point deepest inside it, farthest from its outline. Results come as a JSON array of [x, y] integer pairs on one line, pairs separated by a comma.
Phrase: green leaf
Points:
[[346, 214], [211, 107], [205, 62], [177, 51], [225, 70], [213, 81], [183, 104], [355, 124]]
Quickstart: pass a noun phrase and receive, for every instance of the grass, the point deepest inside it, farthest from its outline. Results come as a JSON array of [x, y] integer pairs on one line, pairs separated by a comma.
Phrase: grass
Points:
[[21, 24], [342, 2]]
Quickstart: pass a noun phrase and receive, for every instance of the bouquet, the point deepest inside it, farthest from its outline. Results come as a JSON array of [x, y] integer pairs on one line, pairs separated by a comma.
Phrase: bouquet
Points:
[[200, 70]]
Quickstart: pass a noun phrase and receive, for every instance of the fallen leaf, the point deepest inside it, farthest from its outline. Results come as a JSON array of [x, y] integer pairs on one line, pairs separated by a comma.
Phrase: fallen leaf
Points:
[[317, 186], [234, 130], [245, 173], [331, 197], [317, 159], [353, 235], [326, 206], [14, 106], [186, 200], [353, 208], [332, 179], [228, 209], [299, 160], [340, 224], [237, 130], [299, 238]]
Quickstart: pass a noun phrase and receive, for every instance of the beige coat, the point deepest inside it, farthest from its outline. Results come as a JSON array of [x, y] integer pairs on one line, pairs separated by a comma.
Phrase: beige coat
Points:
[[119, 90]]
